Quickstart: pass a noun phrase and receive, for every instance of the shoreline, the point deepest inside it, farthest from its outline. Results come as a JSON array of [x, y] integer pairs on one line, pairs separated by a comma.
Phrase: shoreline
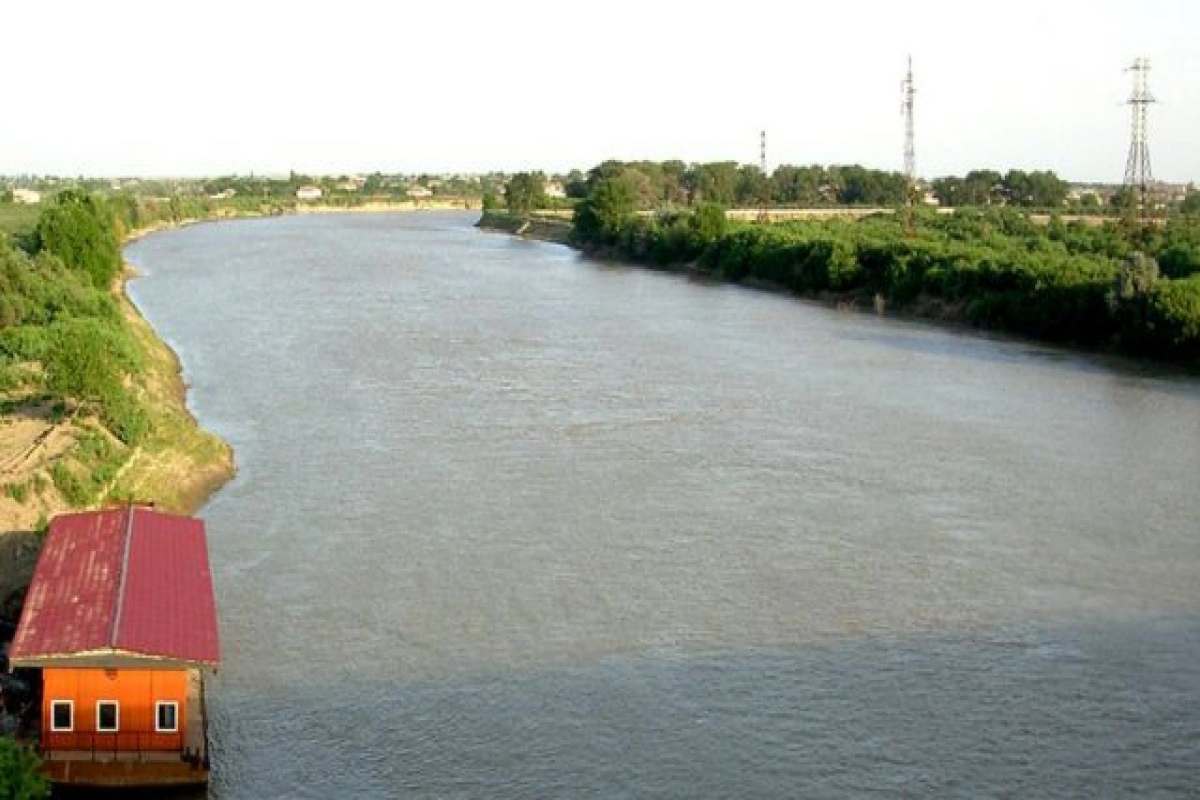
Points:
[[195, 490]]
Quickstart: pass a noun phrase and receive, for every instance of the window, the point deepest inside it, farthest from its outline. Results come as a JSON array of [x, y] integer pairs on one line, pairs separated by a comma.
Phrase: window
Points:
[[61, 715], [166, 717], [107, 716]]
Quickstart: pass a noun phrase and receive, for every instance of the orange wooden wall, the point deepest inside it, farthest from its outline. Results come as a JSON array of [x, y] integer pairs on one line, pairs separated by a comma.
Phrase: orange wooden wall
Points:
[[136, 690]]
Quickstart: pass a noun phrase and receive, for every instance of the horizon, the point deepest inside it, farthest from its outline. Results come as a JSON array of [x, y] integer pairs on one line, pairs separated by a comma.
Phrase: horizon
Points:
[[264, 88], [284, 176]]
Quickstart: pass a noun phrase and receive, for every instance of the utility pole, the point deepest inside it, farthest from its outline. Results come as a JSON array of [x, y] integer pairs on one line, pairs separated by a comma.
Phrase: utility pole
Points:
[[1137, 165], [907, 90]]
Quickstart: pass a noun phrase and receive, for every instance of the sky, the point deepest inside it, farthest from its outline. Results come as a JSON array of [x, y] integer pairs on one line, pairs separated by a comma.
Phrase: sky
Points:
[[187, 88]]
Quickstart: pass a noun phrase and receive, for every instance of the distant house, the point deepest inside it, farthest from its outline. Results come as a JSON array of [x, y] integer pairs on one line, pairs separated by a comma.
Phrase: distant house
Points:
[[554, 189], [120, 619], [309, 193], [224, 194], [419, 192], [26, 196]]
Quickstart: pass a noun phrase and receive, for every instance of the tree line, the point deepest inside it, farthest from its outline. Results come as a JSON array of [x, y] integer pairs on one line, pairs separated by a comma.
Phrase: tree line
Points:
[[674, 184]]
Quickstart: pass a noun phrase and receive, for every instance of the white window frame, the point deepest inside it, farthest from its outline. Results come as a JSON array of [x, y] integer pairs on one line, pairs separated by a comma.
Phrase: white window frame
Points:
[[116, 716], [174, 716], [70, 704]]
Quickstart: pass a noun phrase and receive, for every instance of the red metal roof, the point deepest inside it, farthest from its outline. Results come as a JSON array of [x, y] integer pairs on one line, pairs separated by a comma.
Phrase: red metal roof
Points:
[[122, 581]]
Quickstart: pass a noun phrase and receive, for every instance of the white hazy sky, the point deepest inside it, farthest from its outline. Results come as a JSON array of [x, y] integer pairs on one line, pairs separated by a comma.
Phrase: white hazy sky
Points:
[[200, 88]]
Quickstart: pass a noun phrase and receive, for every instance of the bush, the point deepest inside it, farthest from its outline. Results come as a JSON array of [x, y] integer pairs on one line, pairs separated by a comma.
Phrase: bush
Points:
[[125, 418], [1173, 318], [708, 223], [20, 772], [70, 487]]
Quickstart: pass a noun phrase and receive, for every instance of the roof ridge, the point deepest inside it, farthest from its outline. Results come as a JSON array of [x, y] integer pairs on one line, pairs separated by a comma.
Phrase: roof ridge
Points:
[[116, 624]]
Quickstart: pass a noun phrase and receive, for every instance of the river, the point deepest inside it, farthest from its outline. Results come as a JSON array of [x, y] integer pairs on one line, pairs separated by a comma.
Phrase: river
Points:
[[509, 522]]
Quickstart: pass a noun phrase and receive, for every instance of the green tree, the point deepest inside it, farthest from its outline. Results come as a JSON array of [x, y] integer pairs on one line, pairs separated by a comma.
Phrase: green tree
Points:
[[1134, 279], [708, 223], [79, 365], [717, 182], [1191, 203], [797, 186], [949, 190], [753, 187], [981, 187], [575, 185], [1034, 189], [78, 229], [525, 192], [610, 204], [674, 183], [20, 773]]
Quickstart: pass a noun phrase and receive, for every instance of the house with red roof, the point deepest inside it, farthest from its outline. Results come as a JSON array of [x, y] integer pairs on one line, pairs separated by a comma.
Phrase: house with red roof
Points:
[[121, 620]]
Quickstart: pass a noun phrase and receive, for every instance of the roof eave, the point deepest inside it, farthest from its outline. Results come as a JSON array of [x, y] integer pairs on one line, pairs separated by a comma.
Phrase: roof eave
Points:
[[108, 659]]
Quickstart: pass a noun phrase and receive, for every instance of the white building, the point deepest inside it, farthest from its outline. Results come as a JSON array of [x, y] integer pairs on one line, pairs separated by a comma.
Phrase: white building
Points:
[[26, 196], [308, 193]]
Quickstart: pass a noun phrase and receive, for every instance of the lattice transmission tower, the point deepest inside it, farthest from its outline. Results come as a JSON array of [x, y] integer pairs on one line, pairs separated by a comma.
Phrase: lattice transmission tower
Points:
[[907, 90], [1137, 165], [764, 199]]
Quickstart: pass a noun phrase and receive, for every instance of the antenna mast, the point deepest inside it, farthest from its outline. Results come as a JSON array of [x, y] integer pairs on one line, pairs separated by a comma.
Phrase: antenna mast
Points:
[[1137, 166]]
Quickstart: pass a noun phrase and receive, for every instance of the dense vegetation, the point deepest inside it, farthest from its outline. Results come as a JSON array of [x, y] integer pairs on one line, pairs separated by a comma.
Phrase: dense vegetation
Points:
[[1121, 284], [20, 772], [61, 332]]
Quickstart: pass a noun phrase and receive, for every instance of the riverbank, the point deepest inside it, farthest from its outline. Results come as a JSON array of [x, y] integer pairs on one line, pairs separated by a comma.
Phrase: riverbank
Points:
[[546, 229], [52, 462]]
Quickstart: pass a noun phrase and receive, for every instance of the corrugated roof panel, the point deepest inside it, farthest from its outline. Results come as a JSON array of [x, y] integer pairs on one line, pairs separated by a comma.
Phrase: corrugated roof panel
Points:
[[72, 598], [167, 604], [127, 579]]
